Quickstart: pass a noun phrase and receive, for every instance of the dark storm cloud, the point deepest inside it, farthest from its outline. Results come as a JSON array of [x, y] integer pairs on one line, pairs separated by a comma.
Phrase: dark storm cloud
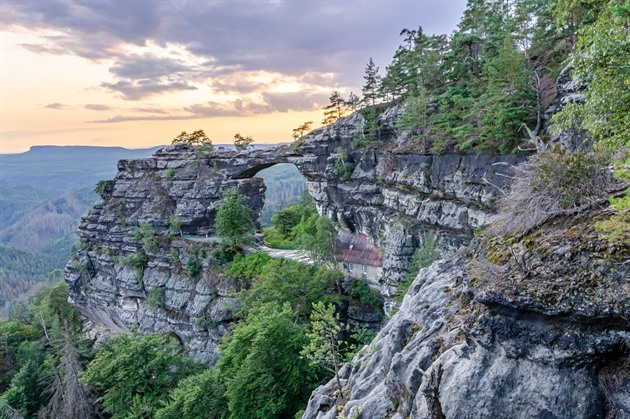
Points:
[[141, 89], [290, 37]]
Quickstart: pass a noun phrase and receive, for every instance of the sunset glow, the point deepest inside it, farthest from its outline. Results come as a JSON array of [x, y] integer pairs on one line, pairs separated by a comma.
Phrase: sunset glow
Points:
[[135, 74]]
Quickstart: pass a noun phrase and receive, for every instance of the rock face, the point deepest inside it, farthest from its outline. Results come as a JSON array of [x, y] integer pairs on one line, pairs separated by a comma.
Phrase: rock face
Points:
[[394, 195], [397, 196], [112, 289], [525, 327]]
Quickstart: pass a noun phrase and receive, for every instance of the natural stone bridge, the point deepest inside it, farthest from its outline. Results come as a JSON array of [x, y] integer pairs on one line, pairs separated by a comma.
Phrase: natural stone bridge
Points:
[[394, 197]]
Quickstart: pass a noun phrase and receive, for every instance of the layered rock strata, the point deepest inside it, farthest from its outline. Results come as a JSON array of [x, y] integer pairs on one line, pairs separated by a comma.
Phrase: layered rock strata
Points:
[[394, 195]]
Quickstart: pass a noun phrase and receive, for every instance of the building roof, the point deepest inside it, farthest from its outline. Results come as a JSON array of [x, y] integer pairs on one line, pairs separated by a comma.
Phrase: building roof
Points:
[[356, 248]]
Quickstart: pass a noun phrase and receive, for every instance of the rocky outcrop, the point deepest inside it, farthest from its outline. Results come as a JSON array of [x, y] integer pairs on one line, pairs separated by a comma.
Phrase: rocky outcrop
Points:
[[397, 196], [392, 194], [517, 327], [118, 282]]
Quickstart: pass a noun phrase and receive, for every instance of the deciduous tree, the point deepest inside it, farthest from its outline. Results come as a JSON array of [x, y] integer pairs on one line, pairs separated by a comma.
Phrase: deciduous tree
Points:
[[233, 221], [195, 138]]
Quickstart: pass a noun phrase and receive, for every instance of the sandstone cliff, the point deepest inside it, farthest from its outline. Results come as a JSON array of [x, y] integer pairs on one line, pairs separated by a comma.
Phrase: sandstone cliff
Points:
[[518, 327], [394, 195]]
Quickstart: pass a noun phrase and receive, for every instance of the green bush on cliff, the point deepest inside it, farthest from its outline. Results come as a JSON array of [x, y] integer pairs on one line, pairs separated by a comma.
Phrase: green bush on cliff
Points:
[[233, 222]]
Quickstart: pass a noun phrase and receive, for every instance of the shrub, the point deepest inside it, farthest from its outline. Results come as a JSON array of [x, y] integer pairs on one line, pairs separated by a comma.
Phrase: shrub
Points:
[[343, 168], [156, 298], [361, 291], [175, 257], [551, 183], [145, 233], [193, 267], [103, 186], [136, 260], [170, 172], [246, 268], [174, 225]]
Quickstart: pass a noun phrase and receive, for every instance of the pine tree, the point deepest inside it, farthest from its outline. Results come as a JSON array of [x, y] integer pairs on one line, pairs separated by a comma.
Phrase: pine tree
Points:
[[335, 110], [324, 348], [301, 130], [242, 142], [371, 88]]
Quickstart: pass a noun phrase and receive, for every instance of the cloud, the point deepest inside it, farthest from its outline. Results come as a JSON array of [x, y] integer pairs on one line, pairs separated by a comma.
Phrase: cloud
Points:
[[96, 107], [150, 110], [271, 102], [295, 101], [140, 89], [147, 67], [131, 118], [56, 106], [289, 37]]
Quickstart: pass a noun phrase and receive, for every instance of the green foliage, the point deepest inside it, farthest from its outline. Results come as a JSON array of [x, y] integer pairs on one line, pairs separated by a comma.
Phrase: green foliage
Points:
[[132, 372], [175, 257], [285, 220], [174, 225], [196, 138], [242, 142], [550, 183], [102, 186], [275, 240], [156, 298], [415, 115], [233, 222], [422, 258], [361, 292], [39, 343], [573, 178], [145, 233], [246, 268], [285, 186], [318, 236], [224, 253], [198, 396], [193, 266], [136, 260], [287, 281], [508, 100], [264, 375], [170, 172], [324, 348], [371, 132], [343, 168], [20, 270], [371, 88], [601, 60]]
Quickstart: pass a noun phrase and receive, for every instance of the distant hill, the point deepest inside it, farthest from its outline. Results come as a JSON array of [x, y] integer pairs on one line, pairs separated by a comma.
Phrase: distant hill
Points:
[[22, 270], [43, 194], [46, 172]]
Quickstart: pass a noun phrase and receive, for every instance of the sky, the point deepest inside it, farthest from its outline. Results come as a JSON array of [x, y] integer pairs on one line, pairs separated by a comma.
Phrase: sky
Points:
[[135, 73]]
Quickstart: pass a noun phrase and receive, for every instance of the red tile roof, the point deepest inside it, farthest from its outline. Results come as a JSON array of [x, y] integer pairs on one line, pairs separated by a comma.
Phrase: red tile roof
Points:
[[356, 248]]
